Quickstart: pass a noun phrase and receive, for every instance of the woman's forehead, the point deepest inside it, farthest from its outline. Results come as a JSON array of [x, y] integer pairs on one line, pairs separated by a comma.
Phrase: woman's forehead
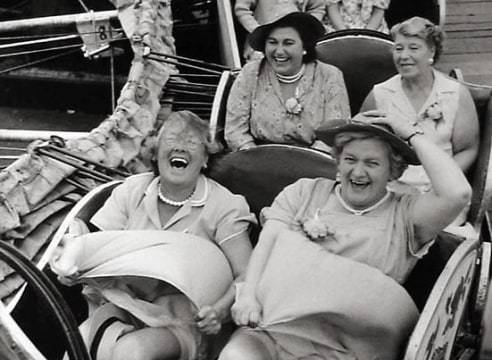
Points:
[[370, 147]]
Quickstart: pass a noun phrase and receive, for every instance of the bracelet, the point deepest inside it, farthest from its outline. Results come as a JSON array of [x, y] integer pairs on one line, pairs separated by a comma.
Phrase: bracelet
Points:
[[416, 132]]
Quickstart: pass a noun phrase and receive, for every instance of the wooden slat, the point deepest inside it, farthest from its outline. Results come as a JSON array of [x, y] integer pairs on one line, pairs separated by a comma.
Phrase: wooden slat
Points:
[[469, 8], [471, 45]]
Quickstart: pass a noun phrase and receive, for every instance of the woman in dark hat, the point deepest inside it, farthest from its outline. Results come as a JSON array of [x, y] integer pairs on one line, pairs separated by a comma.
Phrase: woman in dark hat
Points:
[[324, 279], [287, 95]]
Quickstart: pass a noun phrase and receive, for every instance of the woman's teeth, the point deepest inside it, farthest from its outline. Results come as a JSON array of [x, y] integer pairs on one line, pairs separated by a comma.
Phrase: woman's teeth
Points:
[[179, 163]]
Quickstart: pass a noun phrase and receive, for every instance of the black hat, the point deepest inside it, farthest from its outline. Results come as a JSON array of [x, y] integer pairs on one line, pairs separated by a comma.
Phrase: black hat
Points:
[[286, 15], [328, 134]]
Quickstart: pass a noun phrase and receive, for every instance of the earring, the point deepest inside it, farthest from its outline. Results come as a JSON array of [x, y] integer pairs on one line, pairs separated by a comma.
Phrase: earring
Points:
[[204, 166], [431, 61], [304, 52]]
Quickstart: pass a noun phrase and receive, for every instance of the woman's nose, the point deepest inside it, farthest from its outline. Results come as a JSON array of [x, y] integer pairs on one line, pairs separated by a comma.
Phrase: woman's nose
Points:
[[358, 169]]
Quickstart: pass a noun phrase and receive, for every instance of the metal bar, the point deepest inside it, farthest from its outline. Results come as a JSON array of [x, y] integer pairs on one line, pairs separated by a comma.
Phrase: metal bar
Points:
[[39, 41], [31, 135], [177, 63], [96, 175], [190, 60], [170, 91], [50, 21], [191, 103], [89, 161], [190, 84]]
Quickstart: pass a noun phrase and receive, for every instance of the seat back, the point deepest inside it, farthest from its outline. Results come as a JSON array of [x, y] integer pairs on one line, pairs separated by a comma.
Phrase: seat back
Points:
[[364, 57], [219, 108], [480, 175], [260, 173]]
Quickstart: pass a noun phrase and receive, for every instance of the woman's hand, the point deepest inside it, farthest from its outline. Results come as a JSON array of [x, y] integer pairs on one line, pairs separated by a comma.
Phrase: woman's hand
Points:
[[401, 127], [64, 259], [208, 320], [246, 311]]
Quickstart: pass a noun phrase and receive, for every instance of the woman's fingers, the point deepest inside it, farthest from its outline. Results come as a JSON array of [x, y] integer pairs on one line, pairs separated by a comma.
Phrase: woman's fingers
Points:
[[208, 321]]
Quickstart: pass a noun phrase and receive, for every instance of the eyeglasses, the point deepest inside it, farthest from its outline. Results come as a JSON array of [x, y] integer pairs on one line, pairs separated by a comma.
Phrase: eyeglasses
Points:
[[190, 142]]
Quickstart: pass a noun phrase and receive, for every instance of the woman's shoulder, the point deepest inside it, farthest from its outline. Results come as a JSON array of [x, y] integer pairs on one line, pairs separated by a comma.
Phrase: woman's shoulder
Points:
[[219, 193], [307, 185], [142, 178], [325, 68], [252, 67]]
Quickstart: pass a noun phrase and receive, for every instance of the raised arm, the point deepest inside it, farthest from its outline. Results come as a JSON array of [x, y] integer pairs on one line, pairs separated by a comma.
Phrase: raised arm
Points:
[[434, 210], [465, 137]]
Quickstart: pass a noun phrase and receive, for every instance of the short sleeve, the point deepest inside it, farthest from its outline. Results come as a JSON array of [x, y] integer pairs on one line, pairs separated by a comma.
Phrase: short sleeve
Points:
[[235, 218], [286, 205], [113, 215]]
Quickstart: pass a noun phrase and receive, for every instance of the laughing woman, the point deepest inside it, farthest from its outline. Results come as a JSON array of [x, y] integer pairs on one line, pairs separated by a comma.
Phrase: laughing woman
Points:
[[286, 96], [439, 106], [329, 250], [178, 198]]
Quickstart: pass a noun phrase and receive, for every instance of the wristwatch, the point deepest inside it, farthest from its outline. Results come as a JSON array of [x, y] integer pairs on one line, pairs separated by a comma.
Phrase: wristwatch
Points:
[[417, 131]]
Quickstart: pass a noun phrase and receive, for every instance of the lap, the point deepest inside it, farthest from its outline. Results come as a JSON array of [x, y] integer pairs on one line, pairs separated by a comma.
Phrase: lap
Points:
[[250, 344]]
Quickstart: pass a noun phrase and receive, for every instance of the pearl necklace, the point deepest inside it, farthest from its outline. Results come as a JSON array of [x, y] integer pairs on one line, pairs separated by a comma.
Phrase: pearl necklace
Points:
[[171, 202], [358, 212], [289, 79]]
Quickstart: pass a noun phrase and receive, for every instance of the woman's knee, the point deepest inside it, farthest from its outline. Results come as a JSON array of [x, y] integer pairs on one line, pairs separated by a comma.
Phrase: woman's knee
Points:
[[245, 347], [147, 344]]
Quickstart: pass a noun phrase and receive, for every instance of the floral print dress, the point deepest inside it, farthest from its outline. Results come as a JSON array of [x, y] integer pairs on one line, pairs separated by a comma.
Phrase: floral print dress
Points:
[[357, 13], [257, 113]]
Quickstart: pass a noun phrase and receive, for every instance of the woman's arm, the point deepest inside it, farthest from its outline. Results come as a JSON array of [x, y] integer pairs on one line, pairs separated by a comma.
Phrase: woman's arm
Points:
[[376, 19], [434, 210], [244, 13], [316, 8], [465, 137], [335, 17], [237, 251], [246, 310], [237, 131]]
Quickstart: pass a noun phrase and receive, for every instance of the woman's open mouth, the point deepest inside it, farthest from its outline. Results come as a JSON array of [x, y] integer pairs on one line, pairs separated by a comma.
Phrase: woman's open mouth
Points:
[[178, 163]]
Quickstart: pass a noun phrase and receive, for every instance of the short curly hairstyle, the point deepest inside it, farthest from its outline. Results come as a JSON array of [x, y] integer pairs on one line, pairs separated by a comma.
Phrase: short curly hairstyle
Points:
[[397, 163], [422, 28], [193, 121]]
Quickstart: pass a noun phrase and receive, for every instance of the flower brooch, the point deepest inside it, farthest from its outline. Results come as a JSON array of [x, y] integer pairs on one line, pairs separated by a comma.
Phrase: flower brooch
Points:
[[315, 229], [433, 112]]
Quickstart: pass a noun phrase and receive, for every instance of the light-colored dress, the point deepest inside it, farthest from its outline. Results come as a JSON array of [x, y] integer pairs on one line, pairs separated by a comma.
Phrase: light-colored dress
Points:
[[382, 238], [436, 117], [362, 255], [213, 213], [357, 13], [256, 111]]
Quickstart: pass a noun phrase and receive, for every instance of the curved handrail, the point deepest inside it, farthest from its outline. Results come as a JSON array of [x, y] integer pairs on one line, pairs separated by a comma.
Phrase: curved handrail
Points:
[[47, 291], [436, 329]]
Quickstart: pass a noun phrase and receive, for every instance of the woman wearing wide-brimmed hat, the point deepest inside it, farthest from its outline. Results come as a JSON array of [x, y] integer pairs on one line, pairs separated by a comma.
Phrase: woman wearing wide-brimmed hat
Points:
[[324, 279], [287, 95]]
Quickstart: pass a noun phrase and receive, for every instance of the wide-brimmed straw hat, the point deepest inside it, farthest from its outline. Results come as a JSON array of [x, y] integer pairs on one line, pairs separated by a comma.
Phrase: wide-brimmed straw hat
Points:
[[328, 134], [287, 15]]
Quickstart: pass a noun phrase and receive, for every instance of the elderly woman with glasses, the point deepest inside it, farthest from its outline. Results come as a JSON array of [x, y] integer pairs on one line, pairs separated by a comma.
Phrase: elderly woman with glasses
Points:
[[176, 198]]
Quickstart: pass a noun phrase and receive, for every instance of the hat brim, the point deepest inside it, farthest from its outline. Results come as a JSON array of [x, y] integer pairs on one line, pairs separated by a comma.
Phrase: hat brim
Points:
[[302, 22], [327, 134]]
